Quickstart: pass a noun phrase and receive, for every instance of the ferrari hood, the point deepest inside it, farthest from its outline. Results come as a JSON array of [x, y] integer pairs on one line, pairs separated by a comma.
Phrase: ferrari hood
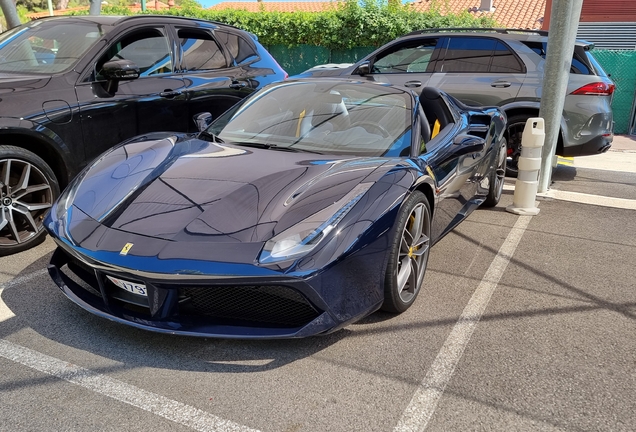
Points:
[[185, 189]]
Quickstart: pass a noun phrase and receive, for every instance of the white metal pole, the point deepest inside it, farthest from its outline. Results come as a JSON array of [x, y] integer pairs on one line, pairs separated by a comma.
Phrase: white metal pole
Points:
[[564, 23], [10, 13], [50, 3], [95, 7]]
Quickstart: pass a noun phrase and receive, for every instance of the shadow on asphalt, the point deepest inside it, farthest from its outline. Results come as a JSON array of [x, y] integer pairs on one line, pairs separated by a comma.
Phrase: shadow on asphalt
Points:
[[40, 305], [594, 303]]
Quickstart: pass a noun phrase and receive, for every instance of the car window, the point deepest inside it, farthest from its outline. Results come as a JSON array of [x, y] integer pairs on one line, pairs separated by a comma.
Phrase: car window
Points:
[[239, 47], [467, 54], [148, 49], [579, 65], [598, 69], [504, 61], [330, 118], [46, 47], [200, 51], [410, 57]]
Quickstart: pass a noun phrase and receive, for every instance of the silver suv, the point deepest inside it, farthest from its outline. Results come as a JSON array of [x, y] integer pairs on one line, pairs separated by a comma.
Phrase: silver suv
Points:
[[501, 67]]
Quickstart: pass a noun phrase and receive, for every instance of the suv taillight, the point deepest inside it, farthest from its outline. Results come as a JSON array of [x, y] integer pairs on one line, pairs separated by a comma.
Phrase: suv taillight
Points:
[[595, 89]]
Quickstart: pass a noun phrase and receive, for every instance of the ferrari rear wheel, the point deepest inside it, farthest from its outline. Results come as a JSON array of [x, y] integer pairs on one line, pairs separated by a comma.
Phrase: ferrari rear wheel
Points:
[[27, 190], [497, 177], [409, 254]]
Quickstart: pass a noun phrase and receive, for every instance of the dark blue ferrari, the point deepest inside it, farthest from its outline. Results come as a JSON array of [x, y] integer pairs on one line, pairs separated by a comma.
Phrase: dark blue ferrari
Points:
[[302, 209]]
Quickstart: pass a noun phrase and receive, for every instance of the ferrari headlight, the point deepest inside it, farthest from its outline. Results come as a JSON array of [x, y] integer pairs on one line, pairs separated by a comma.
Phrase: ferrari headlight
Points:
[[303, 237]]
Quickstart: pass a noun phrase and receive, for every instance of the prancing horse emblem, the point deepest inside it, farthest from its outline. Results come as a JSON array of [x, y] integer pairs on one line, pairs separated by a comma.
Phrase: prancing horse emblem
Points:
[[125, 249]]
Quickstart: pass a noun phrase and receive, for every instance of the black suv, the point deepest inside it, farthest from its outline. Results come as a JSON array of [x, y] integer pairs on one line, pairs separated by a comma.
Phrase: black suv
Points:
[[72, 87], [502, 67]]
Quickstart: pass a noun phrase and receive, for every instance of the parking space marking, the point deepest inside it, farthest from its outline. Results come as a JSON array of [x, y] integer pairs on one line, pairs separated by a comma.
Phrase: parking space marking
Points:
[[162, 406], [583, 198], [5, 312], [424, 402]]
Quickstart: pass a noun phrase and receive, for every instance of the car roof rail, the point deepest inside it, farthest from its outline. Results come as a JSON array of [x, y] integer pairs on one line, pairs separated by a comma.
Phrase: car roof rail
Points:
[[481, 29]]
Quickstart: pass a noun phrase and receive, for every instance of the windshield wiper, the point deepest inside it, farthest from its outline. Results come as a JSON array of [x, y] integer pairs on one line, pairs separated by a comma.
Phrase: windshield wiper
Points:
[[275, 147], [211, 136]]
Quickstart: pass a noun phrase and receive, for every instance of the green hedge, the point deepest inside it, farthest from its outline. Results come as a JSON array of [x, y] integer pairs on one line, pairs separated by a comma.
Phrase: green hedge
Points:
[[347, 25]]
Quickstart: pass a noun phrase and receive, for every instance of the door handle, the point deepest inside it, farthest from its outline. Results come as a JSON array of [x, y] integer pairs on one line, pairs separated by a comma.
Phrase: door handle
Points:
[[238, 84], [169, 94], [500, 84], [413, 84]]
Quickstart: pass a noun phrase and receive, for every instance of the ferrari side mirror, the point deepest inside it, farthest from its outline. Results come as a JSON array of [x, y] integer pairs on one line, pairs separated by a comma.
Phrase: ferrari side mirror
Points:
[[202, 120], [363, 69]]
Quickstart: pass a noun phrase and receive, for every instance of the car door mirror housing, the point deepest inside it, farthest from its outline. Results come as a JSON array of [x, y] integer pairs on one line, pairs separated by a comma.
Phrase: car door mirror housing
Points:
[[202, 120], [363, 69], [119, 70]]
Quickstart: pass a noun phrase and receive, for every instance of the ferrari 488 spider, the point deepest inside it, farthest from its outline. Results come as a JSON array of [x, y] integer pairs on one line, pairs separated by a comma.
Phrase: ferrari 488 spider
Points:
[[302, 209]]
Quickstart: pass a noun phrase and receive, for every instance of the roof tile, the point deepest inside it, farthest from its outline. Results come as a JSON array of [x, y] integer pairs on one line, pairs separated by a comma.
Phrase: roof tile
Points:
[[292, 6], [522, 14]]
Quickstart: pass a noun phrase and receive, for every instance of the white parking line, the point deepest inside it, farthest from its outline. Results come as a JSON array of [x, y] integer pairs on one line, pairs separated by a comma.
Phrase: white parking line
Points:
[[22, 279], [5, 312], [424, 401], [172, 410], [583, 198]]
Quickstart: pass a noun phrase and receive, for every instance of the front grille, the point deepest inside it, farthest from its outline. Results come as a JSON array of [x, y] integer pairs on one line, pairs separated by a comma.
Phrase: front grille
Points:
[[275, 305]]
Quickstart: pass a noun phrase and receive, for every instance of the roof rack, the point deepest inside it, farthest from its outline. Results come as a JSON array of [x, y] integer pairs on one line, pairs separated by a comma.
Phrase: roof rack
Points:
[[481, 29]]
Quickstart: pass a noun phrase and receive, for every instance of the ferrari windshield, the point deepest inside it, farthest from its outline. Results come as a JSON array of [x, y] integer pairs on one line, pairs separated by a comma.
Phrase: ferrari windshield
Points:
[[46, 47], [329, 117]]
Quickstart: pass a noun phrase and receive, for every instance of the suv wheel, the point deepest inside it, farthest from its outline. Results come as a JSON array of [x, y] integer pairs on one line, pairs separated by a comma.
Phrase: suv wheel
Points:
[[514, 133], [28, 188]]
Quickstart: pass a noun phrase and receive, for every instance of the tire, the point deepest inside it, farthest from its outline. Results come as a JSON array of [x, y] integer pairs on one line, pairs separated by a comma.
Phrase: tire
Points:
[[28, 188], [497, 176], [407, 263], [514, 132]]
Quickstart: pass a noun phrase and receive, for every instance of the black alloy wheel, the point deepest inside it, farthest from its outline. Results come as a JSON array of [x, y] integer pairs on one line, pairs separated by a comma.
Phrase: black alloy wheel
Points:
[[409, 254], [27, 190]]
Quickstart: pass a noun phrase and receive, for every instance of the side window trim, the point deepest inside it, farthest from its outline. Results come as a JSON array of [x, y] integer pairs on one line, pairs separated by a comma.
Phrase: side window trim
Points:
[[89, 74], [444, 50], [522, 65], [247, 40], [405, 45], [183, 67]]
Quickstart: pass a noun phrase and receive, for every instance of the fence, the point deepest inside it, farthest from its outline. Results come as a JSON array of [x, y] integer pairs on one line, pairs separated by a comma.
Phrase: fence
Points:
[[299, 58], [621, 66]]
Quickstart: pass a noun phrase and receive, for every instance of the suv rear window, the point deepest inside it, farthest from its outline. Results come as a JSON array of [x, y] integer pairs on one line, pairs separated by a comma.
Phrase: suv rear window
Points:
[[478, 54], [596, 65], [579, 64]]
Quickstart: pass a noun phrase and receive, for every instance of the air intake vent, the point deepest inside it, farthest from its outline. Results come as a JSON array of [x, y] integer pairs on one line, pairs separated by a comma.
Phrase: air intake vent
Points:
[[278, 306]]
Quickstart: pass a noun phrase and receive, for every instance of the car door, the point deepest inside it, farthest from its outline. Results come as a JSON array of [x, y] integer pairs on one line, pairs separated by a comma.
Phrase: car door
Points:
[[213, 81], [408, 64], [452, 158], [153, 102], [479, 71]]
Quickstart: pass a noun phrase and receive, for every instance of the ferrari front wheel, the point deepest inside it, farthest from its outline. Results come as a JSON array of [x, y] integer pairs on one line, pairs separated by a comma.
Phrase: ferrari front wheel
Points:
[[409, 254]]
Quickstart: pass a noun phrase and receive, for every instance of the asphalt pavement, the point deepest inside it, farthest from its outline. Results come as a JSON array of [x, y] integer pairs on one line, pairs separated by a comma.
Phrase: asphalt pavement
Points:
[[523, 323]]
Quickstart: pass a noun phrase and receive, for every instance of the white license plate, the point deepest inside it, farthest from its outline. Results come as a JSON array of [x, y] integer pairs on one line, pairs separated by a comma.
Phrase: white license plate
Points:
[[131, 287]]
